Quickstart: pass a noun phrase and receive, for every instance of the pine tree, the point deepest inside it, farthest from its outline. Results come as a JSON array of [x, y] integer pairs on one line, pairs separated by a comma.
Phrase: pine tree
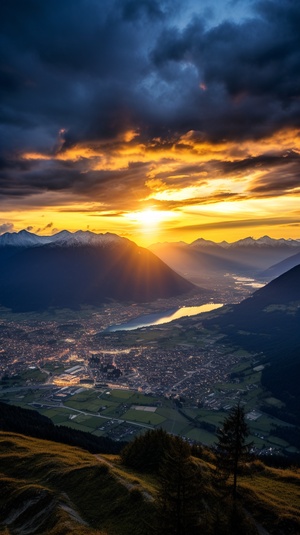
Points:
[[179, 494], [232, 448], [145, 452]]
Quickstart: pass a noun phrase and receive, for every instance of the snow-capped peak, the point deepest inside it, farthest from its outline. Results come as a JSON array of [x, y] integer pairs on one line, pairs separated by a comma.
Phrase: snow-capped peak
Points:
[[81, 238], [266, 241], [245, 242], [22, 239], [224, 244], [62, 239], [201, 242]]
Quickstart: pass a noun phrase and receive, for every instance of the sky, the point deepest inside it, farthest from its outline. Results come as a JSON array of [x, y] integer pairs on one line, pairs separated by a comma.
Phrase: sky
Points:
[[158, 120]]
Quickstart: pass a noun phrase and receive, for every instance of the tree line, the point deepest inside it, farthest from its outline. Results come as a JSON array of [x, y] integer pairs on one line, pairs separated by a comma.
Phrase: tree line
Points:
[[31, 423], [193, 500]]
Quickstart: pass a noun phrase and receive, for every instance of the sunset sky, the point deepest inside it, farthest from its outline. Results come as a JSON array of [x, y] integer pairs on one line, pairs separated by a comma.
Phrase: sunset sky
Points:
[[156, 120]]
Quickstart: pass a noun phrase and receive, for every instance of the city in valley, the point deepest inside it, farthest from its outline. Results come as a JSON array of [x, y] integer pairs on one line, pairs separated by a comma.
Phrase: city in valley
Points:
[[178, 376]]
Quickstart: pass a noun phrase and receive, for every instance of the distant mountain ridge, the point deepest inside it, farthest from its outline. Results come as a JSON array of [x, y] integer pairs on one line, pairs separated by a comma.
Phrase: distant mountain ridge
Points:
[[264, 241], [204, 260], [82, 268], [24, 238]]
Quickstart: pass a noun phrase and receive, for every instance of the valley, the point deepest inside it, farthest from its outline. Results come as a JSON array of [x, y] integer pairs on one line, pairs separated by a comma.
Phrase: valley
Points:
[[68, 349], [178, 376]]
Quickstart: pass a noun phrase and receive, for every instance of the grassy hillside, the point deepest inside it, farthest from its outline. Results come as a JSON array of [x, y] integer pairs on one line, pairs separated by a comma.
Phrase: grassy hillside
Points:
[[273, 498], [267, 323], [56, 489], [53, 489]]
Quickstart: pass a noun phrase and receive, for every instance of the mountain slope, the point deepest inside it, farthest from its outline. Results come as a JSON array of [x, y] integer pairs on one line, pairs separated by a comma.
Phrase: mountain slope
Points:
[[200, 264], [282, 290], [71, 273], [52, 489], [281, 267], [269, 322]]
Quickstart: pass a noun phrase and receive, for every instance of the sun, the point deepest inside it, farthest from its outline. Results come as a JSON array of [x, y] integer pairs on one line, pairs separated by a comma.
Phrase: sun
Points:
[[149, 218], [148, 225]]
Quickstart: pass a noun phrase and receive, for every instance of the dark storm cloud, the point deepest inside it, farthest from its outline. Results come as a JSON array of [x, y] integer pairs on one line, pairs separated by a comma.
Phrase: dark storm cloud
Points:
[[71, 178], [97, 69], [279, 173], [251, 71], [282, 181]]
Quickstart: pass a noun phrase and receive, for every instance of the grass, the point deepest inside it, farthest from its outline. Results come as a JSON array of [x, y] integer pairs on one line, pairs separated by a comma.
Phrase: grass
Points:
[[115, 404], [202, 436], [147, 481], [174, 428], [63, 487], [121, 394], [273, 496], [93, 422], [171, 414], [274, 402], [145, 417], [40, 471]]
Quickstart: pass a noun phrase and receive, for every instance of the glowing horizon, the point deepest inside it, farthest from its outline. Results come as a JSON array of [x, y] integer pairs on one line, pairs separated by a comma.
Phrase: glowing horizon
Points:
[[177, 128]]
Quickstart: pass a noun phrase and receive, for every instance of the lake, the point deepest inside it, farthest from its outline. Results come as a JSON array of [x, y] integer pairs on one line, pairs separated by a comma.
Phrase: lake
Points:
[[160, 318]]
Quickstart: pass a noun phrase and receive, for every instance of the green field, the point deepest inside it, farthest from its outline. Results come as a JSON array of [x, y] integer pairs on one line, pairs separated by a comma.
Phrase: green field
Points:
[[103, 412], [144, 417]]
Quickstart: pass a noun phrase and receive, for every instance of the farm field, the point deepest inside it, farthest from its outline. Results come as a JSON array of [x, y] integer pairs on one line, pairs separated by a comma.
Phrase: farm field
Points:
[[124, 414]]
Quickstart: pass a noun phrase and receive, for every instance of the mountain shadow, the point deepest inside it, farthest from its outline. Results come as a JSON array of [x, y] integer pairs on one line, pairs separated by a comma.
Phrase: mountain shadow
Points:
[[45, 276], [268, 323]]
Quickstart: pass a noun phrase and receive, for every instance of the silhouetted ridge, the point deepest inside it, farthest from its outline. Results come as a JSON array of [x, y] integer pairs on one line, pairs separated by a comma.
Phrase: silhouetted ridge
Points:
[[281, 267], [268, 323], [282, 290], [36, 278]]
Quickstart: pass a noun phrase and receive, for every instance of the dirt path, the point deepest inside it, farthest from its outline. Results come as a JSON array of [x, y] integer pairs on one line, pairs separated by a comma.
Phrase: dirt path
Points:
[[148, 497]]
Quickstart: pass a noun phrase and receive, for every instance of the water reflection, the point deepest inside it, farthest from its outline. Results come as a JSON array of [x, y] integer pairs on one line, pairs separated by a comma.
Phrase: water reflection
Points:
[[163, 317]]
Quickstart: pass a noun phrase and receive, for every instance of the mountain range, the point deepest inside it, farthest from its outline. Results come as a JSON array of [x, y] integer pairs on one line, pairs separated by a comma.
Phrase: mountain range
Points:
[[204, 261], [81, 268], [62, 239]]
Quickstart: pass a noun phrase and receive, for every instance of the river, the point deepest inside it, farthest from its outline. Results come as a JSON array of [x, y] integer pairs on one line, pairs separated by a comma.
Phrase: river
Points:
[[160, 318]]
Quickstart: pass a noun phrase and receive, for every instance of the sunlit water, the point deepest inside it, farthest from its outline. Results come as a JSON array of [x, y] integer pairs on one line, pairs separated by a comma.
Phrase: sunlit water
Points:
[[163, 317], [246, 281]]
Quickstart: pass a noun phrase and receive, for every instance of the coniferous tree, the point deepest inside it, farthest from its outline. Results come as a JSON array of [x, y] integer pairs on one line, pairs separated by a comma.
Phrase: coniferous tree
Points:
[[232, 448], [145, 452], [179, 495]]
